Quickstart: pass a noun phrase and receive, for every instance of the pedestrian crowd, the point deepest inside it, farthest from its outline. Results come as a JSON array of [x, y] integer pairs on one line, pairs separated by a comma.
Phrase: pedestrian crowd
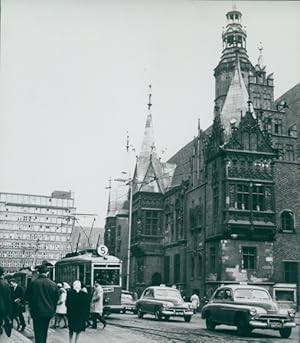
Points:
[[71, 306]]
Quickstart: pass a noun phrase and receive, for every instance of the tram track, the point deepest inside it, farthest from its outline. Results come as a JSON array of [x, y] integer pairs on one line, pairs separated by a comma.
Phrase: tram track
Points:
[[191, 335], [170, 336]]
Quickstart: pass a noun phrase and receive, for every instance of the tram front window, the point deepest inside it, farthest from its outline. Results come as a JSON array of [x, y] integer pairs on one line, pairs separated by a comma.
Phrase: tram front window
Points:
[[107, 276]]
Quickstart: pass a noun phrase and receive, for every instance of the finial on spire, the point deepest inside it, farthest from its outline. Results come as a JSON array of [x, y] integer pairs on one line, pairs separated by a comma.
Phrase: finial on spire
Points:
[[149, 98], [127, 141], [260, 57], [249, 102], [234, 8], [199, 129]]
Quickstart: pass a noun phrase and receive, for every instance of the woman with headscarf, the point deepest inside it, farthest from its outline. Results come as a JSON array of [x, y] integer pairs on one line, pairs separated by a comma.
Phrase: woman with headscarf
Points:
[[77, 302]]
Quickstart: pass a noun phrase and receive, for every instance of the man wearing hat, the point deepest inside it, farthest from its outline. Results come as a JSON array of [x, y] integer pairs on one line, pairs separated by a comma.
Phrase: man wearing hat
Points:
[[42, 297]]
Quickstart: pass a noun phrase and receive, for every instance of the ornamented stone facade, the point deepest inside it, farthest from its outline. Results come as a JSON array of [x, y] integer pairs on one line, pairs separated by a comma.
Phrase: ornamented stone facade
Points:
[[226, 207]]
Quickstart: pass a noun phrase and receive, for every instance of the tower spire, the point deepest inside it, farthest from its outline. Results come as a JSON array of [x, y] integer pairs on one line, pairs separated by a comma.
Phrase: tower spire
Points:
[[149, 99]]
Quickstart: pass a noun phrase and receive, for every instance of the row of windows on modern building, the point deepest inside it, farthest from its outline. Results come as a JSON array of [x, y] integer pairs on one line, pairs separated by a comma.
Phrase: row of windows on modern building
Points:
[[34, 237], [34, 228], [29, 255], [35, 200], [29, 217], [33, 245], [22, 263]]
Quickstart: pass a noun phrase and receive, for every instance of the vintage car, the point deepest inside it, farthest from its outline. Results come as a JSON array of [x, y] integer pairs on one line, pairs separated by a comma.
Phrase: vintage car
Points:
[[163, 302], [127, 302], [248, 307]]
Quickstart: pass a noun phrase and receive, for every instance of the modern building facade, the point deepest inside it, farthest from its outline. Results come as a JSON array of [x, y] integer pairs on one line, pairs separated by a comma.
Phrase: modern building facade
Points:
[[225, 208], [34, 228]]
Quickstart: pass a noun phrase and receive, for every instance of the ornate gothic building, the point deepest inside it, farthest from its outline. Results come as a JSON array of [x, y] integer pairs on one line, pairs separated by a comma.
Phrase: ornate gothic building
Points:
[[226, 207]]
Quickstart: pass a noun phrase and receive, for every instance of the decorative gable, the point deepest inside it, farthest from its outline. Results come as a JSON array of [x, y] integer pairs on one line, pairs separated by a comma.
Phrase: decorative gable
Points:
[[248, 136]]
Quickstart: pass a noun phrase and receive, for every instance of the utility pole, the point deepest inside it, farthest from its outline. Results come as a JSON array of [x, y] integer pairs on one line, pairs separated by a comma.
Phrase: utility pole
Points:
[[130, 183], [129, 233]]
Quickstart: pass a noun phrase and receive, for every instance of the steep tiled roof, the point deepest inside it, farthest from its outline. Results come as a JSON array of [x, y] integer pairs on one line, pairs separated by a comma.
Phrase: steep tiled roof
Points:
[[118, 202], [292, 98], [235, 104], [181, 159]]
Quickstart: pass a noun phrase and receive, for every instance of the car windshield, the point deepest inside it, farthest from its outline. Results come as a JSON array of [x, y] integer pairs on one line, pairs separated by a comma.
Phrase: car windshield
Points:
[[168, 293], [127, 297], [252, 294]]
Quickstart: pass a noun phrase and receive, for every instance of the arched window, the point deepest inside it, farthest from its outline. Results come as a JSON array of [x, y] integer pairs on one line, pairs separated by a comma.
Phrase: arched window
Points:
[[287, 221]]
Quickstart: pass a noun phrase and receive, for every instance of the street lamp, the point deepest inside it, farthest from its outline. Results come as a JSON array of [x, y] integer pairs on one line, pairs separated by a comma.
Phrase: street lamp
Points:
[[130, 183]]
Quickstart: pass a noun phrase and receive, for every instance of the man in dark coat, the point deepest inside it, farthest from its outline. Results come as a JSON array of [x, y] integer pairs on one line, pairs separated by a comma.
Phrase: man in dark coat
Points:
[[5, 300], [42, 297], [18, 303]]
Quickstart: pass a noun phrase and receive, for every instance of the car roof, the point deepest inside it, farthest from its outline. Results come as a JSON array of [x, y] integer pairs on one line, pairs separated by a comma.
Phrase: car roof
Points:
[[243, 286], [162, 287]]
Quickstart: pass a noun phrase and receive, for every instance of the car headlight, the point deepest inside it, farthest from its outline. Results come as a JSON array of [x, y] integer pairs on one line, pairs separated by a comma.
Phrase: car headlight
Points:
[[253, 311], [106, 300], [292, 313]]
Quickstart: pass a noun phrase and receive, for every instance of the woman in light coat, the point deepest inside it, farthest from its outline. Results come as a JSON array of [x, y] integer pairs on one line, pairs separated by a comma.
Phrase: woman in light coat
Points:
[[96, 308], [61, 309]]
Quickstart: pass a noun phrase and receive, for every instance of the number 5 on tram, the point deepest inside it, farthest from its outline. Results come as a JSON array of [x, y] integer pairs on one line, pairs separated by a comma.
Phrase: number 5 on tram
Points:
[[90, 265]]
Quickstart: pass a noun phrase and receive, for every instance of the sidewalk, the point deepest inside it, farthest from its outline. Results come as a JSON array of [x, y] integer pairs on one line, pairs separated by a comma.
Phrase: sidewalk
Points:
[[16, 337]]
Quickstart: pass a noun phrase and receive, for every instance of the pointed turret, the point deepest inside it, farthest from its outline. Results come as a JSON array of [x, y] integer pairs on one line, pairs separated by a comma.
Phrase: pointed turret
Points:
[[151, 175], [235, 105]]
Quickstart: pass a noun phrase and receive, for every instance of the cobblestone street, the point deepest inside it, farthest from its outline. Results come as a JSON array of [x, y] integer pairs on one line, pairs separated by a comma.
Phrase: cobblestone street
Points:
[[128, 328]]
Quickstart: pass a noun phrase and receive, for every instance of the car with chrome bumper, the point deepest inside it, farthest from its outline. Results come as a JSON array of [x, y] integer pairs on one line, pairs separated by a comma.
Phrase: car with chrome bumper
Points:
[[248, 307], [163, 302], [127, 302]]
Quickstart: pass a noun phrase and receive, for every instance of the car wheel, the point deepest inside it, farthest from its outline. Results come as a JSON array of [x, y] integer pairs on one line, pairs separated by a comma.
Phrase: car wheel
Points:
[[157, 314], [187, 319], [243, 327], [210, 324], [285, 332], [166, 317], [140, 313]]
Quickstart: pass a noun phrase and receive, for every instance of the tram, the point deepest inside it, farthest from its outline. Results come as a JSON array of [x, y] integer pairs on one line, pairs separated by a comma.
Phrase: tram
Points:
[[90, 265], [24, 276]]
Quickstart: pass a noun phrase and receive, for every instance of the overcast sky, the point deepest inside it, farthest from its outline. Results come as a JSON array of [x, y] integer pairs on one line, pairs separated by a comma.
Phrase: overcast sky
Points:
[[75, 76]]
